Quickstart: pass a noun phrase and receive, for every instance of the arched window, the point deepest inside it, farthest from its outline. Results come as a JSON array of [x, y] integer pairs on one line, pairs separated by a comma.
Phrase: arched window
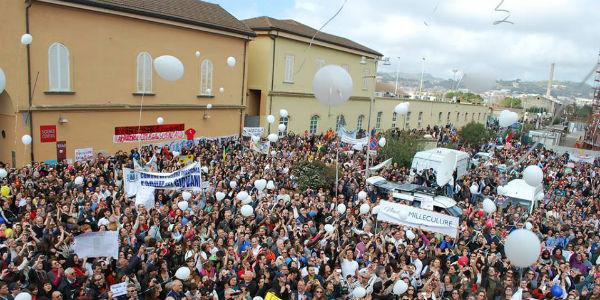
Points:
[[340, 122], [420, 120], [59, 73], [378, 120], [314, 124], [408, 120], [457, 116], [440, 117], [206, 76], [144, 73], [285, 121], [466, 117], [359, 122], [448, 118], [394, 119]]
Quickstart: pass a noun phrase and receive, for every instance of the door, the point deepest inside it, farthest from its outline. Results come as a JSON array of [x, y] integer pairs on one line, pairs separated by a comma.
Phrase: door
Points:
[[252, 116], [61, 151]]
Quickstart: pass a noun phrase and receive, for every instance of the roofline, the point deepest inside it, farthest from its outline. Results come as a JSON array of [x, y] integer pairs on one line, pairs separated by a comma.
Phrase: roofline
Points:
[[250, 33], [269, 28]]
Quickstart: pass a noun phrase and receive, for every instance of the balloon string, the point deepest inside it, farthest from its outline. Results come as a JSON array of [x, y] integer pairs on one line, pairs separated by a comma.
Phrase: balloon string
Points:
[[432, 12], [502, 10], [315, 35]]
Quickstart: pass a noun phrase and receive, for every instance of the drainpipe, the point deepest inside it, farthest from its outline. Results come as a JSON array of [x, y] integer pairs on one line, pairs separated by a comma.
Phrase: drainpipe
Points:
[[242, 110], [274, 38], [29, 91]]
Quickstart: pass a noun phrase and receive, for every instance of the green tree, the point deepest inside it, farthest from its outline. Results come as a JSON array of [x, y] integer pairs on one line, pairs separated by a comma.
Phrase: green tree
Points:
[[474, 134], [401, 149], [465, 97], [314, 174], [511, 102]]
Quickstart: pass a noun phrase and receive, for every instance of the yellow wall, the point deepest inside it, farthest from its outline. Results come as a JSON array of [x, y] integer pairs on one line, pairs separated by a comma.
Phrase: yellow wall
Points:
[[103, 50]]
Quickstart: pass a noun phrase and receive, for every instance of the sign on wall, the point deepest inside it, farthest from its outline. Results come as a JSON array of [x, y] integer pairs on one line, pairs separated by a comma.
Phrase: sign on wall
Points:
[[48, 133], [61, 150], [417, 218], [84, 154], [149, 133], [250, 131]]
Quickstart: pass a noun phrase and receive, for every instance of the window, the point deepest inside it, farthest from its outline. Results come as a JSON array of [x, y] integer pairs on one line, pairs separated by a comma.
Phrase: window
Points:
[[378, 120], [206, 77], [408, 120], [314, 124], [346, 67], [365, 79], [359, 122], [319, 64], [479, 117], [289, 69], [285, 121], [448, 118], [340, 122], [420, 119], [473, 117], [59, 73], [457, 116], [394, 119], [466, 117], [144, 73], [440, 117]]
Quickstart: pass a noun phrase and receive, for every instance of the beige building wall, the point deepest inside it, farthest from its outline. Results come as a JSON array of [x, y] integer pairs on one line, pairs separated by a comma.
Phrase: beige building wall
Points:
[[103, 49]]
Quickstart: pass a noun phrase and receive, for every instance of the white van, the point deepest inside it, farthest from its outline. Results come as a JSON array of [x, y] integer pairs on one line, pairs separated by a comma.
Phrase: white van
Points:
[[432, 159], [518, 192]]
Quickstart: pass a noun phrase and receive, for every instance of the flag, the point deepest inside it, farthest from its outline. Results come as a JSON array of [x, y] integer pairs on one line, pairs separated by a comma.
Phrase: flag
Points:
[[509, 137], [373, 144]]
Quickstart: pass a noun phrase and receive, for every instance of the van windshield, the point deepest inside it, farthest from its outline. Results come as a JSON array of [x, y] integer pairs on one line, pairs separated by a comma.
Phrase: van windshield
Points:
[[455, 211]]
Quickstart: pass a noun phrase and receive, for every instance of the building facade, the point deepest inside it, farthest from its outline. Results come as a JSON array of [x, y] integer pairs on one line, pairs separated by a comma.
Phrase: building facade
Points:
[[281, 71], [87, 80]]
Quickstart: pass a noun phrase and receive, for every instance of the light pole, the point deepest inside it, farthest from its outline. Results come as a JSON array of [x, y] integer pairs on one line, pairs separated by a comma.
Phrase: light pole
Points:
[[422, 72], [396, 86], [454, 78], [363, 61]]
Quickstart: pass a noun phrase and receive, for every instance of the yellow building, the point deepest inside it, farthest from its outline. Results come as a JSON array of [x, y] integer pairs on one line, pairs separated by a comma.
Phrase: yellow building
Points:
[[280, 73], [80, 84]]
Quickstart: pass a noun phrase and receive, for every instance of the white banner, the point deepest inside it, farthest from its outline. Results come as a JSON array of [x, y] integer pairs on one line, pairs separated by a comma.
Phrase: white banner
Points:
[[130, 179], [84, 154], [381, 165], [97, 244], [250, 131], [349, 140], [261, 147], [188, 177], [417, 218]]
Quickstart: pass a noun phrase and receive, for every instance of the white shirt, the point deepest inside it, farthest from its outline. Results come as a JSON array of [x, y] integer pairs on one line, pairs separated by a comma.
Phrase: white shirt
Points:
[[349, 267], [418, 266]]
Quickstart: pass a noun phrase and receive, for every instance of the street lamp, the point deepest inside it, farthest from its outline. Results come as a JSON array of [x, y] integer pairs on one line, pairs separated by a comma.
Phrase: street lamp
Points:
[[422, 72], [396, 86]]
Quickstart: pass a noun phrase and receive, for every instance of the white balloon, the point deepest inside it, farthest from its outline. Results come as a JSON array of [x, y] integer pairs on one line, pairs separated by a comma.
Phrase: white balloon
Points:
[[328, 228], [183, 273], [255, 138], [364, 209], [183, 205], [23, 296], [528, 225], [489, 206], [382, 142], [533, 175], [176, 153], [341, 208], [375, 210], [272, 137], [283, 113], [270, 119], [474, 189], [186, 195], [231, 61], [260, 184], [247, 210], [273, 152], [400, 287], [160, 120], [258, 298], [26, 139], [401, 109], [507, 118], [197, 54], [232, 184], [501, 190], [403, 214], [539, 196], [26, 39], [221, 90], [242, 195], [359, 292], [332, 85], [362, 195], [3, 173], [205, 169], [208, 106], [2, 81], [522, 248], [169, 67], [78, 180], [281, 127], [248, 200], [271, 185], [220, 196], [410, 235]]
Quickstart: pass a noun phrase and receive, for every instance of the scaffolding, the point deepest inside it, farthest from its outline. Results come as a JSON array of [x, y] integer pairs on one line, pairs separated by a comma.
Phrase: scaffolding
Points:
[[592, 132]]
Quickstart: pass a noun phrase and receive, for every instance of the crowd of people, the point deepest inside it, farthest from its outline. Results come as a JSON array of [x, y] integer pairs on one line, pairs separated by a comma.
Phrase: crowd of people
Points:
[[283, 249]]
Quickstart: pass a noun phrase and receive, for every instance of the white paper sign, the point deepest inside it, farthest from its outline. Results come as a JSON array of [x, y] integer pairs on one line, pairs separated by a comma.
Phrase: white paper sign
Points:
[[97, 244], [84, 154], [250, 131], [119, 289], [417, 218], [426, 201]]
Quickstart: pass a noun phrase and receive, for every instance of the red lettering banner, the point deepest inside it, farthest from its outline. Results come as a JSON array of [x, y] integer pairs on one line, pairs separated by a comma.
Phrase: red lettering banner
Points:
[[149, 129], [48, 133]]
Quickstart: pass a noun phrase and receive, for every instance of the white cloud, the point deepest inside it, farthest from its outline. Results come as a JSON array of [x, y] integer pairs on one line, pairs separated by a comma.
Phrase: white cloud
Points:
[[460, 34]]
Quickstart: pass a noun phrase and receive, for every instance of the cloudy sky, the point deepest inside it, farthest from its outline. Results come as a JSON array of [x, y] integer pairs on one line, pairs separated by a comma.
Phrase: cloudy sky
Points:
[[460, 34]]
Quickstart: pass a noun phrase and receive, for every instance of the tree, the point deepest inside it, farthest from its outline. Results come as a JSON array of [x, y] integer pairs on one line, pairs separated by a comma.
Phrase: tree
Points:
[[314, 174], [511, 102], [465, 97], [402, 148], [474, 134]]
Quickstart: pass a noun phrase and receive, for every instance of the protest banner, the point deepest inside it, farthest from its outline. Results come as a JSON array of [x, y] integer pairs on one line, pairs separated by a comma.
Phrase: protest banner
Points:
[[250, 131], [188, 177], [262, 148], [84, 154], [417, 218], [119, 289], [148, 133], [97, 244]]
